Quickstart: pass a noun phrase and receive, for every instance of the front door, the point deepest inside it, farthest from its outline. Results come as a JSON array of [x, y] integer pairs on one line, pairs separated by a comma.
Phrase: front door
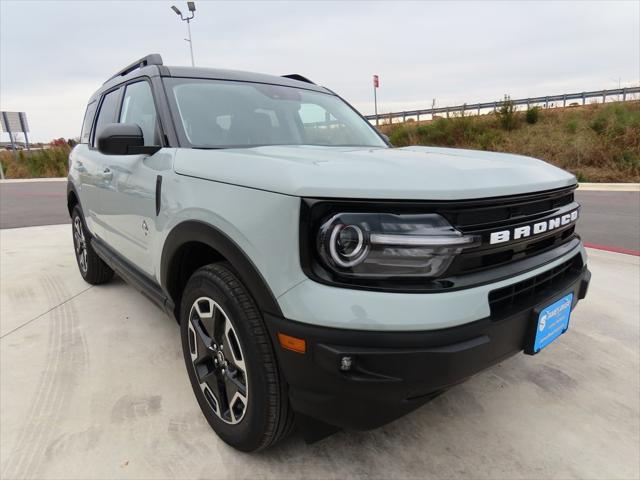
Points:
[[130, 201]]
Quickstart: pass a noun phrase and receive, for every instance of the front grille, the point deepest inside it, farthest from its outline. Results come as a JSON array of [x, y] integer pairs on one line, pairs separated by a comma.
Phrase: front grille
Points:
[[528, 292], [507, 210], [503, 213], [479, 217]]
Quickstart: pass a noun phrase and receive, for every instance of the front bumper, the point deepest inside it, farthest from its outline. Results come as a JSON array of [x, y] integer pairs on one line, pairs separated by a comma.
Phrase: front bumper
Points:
[[395, 372]]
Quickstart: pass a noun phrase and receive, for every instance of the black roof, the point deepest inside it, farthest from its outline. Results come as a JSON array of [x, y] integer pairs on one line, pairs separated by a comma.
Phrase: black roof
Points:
[[152, 66]]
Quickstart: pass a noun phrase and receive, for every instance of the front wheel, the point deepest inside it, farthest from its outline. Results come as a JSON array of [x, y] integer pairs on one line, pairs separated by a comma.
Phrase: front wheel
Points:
[[230, 361]]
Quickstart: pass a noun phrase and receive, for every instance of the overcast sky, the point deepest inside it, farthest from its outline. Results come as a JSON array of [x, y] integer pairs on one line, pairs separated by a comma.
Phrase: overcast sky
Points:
[[55, 54]]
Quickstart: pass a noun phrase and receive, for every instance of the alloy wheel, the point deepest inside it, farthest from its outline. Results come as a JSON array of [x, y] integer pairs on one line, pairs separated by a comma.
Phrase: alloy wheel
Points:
[[80, 243], [218, 360]]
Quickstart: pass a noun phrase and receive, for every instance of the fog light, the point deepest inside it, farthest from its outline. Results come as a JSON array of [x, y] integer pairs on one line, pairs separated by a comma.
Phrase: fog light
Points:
[[346, 363]]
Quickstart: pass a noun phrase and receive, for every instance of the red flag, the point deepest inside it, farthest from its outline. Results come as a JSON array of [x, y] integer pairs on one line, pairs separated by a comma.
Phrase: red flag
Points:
[[376, 81]]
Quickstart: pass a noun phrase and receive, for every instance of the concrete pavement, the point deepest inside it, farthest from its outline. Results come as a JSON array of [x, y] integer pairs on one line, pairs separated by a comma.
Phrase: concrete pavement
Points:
[[93, 386]]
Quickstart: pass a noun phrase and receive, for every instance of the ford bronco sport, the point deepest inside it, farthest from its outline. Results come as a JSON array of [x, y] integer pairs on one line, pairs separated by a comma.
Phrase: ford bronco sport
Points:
[[319, 276]]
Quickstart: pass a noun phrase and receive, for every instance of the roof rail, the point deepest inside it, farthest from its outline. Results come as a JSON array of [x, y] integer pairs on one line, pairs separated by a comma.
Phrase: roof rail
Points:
[[151, 59], [300, 78]]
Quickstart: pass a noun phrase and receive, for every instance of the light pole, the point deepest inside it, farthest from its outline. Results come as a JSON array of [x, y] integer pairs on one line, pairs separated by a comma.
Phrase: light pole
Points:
[[192, 8], [376, 84]]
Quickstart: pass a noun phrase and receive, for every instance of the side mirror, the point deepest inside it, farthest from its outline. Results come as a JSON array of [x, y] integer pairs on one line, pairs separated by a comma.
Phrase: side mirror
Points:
[[386, 138], [123, 139]]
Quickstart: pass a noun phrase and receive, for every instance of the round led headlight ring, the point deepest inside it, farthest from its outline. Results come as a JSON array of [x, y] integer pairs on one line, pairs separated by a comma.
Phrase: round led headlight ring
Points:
[[347, 245]]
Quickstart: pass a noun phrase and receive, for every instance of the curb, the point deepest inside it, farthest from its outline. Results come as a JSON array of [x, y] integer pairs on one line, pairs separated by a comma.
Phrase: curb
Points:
[[26, 180], [610, 187], [607, 248]]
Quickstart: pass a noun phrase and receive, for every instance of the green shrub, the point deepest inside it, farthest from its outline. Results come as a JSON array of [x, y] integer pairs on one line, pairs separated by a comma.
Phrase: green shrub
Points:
[[532, 115], [615, 120], [581, 177], [507, 114], [489, 140], [599, 125], [572, 126], [399, 136], [630, 158], [435, 133], [52, 162], [458, 131], [624, 117]]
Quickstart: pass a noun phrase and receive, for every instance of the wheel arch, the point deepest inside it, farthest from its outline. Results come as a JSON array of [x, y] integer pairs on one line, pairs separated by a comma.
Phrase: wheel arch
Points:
[[192, 234], [73, 198]]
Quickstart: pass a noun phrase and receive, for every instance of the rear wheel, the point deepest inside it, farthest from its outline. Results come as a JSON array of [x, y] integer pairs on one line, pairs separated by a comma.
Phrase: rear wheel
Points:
[[92, 268], [230, 361]]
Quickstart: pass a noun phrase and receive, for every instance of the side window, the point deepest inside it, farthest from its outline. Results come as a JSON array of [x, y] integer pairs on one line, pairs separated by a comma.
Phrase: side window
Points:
[[107, 113], [138, 107], [87, 122]]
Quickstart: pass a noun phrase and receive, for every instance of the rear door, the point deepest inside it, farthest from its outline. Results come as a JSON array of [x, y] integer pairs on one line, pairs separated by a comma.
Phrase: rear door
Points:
[[130, 202], [81, 166]]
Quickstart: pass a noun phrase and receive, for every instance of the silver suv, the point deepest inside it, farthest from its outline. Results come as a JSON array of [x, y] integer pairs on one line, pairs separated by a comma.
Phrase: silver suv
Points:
[[320, 277]]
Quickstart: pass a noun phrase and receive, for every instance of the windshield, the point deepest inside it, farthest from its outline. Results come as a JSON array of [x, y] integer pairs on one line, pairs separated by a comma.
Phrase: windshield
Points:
[[225, 114]]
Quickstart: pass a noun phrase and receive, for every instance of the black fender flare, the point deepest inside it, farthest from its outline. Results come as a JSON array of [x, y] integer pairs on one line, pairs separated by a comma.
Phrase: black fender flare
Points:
[[71, 188], [197, 231]]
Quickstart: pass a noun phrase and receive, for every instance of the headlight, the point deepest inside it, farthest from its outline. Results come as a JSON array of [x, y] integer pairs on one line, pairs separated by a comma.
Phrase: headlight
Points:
[[379, 245]]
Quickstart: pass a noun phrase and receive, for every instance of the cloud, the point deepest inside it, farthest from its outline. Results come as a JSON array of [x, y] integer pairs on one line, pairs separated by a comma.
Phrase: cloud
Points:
[[53, 55]]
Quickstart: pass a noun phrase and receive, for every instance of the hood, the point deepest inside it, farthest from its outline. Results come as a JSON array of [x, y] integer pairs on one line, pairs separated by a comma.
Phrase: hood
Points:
[[410, 173]]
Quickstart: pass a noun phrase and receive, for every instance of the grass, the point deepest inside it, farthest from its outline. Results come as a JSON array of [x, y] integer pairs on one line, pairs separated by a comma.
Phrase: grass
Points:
[[597, 143], [52, 162]]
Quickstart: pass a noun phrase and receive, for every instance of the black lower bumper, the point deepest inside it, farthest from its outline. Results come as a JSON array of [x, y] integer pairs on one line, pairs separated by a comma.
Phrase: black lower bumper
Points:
[[395, 372]]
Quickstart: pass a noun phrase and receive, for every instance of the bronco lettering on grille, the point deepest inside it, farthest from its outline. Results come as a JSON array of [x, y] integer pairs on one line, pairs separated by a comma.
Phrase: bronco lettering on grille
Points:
[[525, 231]]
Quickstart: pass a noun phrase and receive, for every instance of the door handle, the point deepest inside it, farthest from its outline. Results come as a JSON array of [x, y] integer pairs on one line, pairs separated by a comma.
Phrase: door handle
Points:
[[107, 174]]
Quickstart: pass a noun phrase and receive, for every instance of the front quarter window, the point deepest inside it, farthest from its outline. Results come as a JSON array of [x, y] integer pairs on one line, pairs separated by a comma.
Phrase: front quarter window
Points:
[[227, 114], [138, 108]]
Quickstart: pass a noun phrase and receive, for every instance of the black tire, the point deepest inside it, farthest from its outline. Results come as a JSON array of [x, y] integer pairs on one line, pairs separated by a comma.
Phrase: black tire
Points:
[[92, 268], [266, 417]]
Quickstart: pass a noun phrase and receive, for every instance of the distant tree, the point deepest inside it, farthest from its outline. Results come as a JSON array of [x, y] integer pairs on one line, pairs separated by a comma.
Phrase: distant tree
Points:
[[532, 115], [507, 114]]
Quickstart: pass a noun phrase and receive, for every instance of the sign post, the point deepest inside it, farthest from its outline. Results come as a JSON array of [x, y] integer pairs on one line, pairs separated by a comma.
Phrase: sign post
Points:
[[376, 84], [12, 123], [25, 129], [6, 126]]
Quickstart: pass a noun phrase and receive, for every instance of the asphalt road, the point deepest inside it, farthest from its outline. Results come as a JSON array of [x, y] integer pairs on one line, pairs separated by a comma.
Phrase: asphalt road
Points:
[[609, 219], [28, 204]]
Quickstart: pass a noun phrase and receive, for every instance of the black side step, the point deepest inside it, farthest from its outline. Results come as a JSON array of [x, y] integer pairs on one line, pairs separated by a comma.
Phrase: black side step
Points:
[[132, 275]]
